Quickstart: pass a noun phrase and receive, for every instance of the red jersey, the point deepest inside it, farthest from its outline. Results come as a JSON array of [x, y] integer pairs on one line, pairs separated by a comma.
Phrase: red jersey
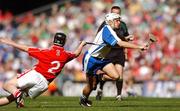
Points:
[[50, 61]]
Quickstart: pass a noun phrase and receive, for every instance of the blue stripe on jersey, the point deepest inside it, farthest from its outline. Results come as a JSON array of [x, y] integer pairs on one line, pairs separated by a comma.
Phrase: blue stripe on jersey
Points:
[[108, 37]]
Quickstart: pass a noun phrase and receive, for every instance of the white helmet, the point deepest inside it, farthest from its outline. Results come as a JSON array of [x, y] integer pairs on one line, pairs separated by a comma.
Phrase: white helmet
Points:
[[111, 17]]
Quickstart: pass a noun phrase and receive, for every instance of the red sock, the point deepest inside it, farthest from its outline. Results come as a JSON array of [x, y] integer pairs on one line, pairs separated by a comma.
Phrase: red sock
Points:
[[17, 93]]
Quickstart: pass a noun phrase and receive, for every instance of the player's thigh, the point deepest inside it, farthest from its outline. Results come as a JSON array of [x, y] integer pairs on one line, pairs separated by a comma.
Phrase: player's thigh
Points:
[[111, 71], [38, 89], [119, 69], [34, 82], [12, 81], [4, 93], [27, 80], [99, 72]]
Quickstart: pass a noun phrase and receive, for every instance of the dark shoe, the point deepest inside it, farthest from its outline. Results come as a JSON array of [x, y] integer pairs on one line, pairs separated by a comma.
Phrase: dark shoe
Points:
[[99, 95], [85, 102], [89, 103]]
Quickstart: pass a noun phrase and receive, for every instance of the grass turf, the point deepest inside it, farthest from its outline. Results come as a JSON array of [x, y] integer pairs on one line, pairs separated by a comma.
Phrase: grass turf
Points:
[[56, 103]]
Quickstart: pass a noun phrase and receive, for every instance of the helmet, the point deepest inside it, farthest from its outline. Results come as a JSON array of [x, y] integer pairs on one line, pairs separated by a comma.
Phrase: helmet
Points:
[[59, 39], [111, 17]]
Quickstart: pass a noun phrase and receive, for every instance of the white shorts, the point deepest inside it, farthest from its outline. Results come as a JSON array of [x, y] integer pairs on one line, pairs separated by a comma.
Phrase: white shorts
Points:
[[4, 93], [34, 82]]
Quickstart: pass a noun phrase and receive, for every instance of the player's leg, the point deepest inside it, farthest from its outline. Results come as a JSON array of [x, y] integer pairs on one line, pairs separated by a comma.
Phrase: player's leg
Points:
[[11, 87], [101, 84], [110, 72], [6, 100], [37, 89], [24, 82], [90, 66], [91, 85], [34, 86], [119, 82], [100, 90]]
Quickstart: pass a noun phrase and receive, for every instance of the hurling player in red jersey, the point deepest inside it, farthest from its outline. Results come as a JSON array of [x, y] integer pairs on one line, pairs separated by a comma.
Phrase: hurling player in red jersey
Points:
[[35, 81]]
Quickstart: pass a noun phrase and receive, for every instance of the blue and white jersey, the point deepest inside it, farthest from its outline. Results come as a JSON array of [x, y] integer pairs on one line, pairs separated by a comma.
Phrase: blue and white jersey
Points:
[[106, 37]]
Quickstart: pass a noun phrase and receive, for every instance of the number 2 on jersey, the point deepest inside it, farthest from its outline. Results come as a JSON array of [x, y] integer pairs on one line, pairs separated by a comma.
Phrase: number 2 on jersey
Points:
[[55, 67]]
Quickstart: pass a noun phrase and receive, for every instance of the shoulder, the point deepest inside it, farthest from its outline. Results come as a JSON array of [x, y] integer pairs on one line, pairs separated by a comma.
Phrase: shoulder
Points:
[[101, 26], [70, 55], [123, 24], [107, 29], [68, 52], [30, 49]]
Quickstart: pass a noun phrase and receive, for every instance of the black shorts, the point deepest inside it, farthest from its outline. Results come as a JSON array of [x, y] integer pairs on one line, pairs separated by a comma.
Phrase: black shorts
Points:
[[117, 56]]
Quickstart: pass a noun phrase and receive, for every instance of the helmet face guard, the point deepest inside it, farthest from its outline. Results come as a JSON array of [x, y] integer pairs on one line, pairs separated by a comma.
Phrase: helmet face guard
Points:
[[59, 39]]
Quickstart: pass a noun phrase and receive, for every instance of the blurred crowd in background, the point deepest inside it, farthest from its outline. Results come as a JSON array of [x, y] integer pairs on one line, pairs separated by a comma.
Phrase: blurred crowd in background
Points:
[[80, 20]]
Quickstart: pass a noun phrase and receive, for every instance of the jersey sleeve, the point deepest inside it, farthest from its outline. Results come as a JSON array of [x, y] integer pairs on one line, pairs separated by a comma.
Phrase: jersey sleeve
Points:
[[35, 52], [109, 36], [70, 56]]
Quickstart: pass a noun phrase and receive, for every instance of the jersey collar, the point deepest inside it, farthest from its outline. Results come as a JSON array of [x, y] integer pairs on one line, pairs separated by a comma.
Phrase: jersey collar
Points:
[[57, 47]]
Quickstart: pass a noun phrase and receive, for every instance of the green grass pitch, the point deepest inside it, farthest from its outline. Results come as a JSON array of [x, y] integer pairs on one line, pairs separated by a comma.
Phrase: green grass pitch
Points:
[[56, 103]]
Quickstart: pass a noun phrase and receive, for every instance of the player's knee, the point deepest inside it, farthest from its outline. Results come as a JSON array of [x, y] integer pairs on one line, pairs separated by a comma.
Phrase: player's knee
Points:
[[37, 90], [6, 85], [120, 78], [116, 77], [94, 87]]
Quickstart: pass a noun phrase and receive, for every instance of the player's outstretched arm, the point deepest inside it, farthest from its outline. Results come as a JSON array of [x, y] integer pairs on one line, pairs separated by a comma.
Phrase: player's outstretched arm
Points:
[[14, 44], [130, 45], [129, 38], [78, 51]]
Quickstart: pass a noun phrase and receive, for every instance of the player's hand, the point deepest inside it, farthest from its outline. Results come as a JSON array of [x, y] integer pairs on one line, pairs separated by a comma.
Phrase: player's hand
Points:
[[130, 38], [83, 43], [145, 47]]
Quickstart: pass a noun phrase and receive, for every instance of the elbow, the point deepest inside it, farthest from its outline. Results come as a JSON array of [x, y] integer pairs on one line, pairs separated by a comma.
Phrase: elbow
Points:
[[120, 43], [25, 49], [77, 54]]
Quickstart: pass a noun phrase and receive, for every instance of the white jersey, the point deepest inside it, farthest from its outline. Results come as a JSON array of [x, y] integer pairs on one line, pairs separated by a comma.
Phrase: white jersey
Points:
[[106, 38]]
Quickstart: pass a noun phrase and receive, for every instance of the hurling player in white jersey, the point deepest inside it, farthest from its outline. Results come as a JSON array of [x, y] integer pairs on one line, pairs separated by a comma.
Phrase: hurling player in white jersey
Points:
[[95, 58]]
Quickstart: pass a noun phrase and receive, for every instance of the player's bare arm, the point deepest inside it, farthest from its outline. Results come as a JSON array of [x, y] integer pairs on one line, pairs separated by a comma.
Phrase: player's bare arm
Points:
[[130, 45], [14, 44], [129, 38], [78, 51]]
